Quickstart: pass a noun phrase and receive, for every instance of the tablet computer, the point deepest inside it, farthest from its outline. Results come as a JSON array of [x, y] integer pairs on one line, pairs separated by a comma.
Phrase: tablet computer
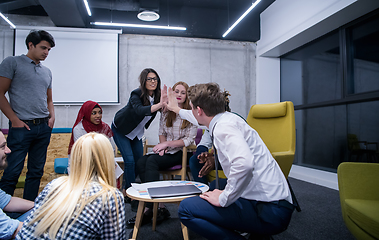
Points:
[[173, 191]]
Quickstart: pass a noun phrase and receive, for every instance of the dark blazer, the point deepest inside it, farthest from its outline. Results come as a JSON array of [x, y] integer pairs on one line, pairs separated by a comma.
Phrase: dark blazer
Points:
[[128, 117]]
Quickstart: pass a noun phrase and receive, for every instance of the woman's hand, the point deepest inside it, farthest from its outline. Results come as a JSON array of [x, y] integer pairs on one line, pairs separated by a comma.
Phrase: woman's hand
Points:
[[212, 197], [161, 148], [164, 99], [172, 104]]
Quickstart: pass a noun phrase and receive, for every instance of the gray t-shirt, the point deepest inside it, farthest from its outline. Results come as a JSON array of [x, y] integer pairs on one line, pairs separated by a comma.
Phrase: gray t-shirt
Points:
[[28, 89]]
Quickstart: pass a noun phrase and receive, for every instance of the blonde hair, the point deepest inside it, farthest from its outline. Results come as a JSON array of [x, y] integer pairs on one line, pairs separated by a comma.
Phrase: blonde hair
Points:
[[91, 161]]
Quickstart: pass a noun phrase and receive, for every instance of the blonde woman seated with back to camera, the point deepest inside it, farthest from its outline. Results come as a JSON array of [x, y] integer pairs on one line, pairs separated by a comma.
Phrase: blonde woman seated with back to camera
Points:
[[84, 205]]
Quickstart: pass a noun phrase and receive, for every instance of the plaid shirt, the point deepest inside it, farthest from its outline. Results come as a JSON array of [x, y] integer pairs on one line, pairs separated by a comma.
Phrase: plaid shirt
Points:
[[176, 132], [95, 221]]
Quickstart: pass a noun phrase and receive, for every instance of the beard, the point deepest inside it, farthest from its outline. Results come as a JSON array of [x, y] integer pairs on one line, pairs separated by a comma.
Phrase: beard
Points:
[[3, 163]]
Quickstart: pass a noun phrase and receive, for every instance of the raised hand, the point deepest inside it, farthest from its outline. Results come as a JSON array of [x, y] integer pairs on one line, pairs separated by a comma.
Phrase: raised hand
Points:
[[172, 104], [164, 94], [163, 100]]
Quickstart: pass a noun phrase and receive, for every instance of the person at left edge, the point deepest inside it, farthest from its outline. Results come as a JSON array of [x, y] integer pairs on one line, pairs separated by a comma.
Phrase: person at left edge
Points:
[[13, 210], [30, 111]]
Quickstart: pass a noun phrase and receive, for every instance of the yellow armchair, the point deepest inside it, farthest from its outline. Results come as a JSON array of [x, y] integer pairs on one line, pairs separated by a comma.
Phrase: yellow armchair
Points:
[[275, 124], [359, 196]]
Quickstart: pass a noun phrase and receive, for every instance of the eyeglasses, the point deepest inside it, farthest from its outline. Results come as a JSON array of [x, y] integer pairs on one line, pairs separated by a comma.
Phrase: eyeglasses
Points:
[[151, 79]]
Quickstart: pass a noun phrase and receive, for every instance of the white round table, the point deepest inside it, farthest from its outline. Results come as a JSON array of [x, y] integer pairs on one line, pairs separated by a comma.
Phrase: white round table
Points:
[[139, 192]]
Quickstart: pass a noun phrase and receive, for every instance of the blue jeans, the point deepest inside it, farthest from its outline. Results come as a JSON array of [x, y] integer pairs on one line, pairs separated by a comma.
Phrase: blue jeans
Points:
[[195, 166], [19, 216], [257, 218], [33, 142], [131, 151]]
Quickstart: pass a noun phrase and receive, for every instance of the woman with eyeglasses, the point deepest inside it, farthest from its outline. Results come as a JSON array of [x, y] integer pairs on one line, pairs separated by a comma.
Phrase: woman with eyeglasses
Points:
[[130, 121]]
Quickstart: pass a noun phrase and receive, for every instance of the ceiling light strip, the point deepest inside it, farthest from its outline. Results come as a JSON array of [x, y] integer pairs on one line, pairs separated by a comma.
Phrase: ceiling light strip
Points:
[[7, 20], [87, 7], [138, 26], [242, 17]]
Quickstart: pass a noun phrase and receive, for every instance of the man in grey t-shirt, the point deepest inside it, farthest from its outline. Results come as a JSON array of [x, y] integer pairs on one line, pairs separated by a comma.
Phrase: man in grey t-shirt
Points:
[[30, 111]]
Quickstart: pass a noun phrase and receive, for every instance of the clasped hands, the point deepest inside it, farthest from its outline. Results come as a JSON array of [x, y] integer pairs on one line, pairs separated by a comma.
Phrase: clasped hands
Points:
[[160, 148], [206, 158]]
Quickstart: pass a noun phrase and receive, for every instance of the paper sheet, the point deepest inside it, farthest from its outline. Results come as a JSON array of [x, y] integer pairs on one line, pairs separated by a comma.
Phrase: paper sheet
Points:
[[119, 171]]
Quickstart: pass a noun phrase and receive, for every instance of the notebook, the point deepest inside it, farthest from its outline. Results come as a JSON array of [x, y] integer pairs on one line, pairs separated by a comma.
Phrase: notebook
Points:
[[172, 191]]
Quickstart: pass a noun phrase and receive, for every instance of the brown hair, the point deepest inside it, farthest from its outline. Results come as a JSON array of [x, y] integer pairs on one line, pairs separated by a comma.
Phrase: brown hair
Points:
[[208, 97], [171, 116], [145, 93]]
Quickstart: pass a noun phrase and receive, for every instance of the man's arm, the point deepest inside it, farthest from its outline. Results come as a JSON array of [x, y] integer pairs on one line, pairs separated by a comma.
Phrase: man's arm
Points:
[[17, 230], [50, 106], [8, 227], [5, 83], [19, 205]]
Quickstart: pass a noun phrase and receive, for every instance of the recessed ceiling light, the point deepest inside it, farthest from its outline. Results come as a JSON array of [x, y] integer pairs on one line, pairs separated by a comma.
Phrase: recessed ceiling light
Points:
[[138, 26], [240, 19], [148, 16]]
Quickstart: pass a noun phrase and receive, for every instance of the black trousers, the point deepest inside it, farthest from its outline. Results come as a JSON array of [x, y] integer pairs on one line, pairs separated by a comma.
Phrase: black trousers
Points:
[[148, 166]]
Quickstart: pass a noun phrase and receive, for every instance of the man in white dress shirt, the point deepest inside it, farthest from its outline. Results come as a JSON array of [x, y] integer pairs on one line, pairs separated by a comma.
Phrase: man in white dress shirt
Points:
[[256, 198]]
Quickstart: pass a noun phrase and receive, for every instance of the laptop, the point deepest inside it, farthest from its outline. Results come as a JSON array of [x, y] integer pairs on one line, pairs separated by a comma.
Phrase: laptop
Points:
[[173, 191]]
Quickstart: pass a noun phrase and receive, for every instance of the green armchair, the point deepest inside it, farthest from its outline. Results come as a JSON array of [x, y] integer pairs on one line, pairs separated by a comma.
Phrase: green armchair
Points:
[[359, 195]]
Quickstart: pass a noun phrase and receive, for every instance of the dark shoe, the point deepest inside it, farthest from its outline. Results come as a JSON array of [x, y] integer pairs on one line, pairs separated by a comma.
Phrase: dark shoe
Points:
[[163, 214], [147, 216], [134, 205], [127, 199]]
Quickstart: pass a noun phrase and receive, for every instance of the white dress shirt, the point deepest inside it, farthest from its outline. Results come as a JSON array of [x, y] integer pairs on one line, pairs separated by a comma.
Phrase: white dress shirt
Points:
[[206, 138], [251, 170]]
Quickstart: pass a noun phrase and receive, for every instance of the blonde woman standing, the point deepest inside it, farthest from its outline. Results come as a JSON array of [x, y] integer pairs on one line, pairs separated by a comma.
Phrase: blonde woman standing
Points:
[[83, 205]]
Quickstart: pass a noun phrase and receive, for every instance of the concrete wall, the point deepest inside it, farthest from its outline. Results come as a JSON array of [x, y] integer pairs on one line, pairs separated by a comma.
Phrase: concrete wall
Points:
[[231, 64]]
